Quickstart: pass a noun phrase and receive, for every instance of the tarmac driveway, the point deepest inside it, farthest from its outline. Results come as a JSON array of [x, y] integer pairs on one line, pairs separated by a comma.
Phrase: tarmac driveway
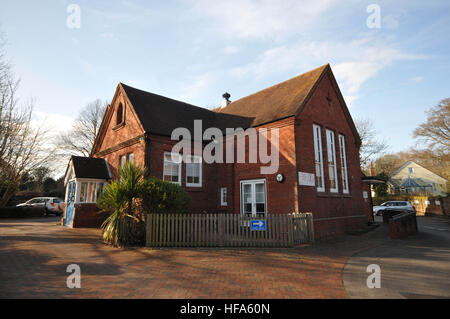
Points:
[[417, 266], [34, 255]]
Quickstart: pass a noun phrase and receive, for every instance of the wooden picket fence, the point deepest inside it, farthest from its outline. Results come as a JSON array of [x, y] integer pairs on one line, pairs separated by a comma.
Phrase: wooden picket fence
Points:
[[227, 230]]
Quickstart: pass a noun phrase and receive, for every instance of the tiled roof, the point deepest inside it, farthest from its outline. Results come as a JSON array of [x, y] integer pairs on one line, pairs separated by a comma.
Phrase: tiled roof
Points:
[[161, 115], [90, 167], [276, 102]]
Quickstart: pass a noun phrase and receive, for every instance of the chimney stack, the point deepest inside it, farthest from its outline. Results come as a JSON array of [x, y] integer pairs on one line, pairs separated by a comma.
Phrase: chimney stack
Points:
[[226, 99]]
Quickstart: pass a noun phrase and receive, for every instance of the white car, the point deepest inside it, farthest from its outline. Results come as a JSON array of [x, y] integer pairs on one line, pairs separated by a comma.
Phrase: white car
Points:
[[397, 205], [52, 205]]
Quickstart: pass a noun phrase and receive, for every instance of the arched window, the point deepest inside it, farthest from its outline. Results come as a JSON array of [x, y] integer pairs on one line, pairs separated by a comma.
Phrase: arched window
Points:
[[119, 115]]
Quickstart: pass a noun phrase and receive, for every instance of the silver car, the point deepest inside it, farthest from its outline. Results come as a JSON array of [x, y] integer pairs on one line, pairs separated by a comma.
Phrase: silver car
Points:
[[52, 205], [395, 204]]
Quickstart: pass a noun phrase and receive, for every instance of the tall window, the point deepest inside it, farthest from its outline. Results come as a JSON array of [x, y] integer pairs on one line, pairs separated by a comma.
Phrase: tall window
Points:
[[83, 192], [172, 168], [332, 170], [119, 114], [194, 171], [318, 156], [131, 158], [343, 164], [123, 161]]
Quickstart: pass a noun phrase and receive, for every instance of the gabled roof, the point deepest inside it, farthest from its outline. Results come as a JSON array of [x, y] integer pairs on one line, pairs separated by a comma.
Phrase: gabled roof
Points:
[[412, 162], [161, 115], [90, 167], [279, 101]]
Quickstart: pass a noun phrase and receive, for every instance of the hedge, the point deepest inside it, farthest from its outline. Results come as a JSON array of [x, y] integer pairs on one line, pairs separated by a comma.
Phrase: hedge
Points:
[[21, 212]]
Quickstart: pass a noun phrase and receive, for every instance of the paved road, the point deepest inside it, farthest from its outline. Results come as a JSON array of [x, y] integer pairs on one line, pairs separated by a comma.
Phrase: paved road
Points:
[[34, 255], [412, 267]]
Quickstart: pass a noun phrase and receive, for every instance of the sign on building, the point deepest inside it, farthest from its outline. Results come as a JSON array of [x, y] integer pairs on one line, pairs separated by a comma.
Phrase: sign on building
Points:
[[306, 179]]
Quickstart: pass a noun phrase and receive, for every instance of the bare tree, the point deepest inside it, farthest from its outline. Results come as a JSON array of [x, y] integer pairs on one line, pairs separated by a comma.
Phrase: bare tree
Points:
[[80, 139], [21, 144], [370, 145], [436, 130]]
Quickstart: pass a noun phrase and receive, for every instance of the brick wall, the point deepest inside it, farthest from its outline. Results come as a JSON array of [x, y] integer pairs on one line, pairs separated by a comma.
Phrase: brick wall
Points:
[[333, 212]]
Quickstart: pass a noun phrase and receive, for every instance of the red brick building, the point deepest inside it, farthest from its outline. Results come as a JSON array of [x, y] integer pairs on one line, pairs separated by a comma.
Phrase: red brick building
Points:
[[318, 171]]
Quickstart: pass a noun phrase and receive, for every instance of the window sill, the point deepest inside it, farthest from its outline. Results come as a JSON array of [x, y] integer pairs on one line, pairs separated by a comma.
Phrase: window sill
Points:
[[118, 126], [335, 195]]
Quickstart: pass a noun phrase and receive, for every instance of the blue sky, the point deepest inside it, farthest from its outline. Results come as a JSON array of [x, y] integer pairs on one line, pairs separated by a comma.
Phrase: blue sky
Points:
[[196, 50]]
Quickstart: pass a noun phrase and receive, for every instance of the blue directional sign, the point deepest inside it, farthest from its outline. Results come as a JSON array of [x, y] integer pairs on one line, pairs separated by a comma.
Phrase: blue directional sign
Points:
[[258, 224]]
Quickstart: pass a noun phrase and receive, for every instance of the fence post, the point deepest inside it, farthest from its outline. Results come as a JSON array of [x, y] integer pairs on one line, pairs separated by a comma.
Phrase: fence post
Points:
[[148, 231], [290, 229], [310, 227]]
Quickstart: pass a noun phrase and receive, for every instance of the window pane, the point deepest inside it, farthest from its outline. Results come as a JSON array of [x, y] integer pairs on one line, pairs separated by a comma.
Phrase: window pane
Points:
[[260, 208], [83, 192]]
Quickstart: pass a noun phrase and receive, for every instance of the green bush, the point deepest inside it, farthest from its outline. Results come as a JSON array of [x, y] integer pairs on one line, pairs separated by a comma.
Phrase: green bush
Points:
[[130, 198], [163, 197]]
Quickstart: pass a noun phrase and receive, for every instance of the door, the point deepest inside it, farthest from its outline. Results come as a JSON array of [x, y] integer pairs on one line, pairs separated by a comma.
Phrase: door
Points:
[[70, 203], [253, 199]]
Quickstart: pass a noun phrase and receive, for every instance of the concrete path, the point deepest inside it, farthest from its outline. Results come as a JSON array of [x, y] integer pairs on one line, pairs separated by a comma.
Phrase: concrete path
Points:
[[417, 266]]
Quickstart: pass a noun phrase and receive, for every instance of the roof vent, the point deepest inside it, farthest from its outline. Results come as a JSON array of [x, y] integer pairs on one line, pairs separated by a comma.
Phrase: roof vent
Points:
[[226, 99]]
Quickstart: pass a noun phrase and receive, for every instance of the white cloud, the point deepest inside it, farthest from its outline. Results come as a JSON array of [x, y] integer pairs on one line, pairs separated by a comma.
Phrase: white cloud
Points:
[[416, 79], [54, 124], [258, 19], [231, 49], [196, 86], [353, 63]]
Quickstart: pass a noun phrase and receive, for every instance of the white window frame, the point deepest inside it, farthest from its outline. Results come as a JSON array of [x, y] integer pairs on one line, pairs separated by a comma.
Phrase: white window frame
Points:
[[342, 151], [331, 154], [223, 196], [79, 182], [172, 162], [189, 162], [318, 156], [253, 183], [130, 158]]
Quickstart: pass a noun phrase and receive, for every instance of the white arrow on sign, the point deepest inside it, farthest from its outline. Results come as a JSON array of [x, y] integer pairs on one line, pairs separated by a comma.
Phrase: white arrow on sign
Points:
[[259, 223]]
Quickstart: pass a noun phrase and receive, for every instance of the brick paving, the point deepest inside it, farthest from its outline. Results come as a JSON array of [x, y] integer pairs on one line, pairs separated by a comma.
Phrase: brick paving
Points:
[[34, 255]]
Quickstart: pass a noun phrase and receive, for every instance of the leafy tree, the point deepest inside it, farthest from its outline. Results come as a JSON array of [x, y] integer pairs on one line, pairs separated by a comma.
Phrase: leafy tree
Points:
[[381, 189], [49, 185], [40, 174]]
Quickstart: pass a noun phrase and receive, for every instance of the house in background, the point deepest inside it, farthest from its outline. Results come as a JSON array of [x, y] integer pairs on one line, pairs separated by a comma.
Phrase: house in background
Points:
[[319, 168], [411, 178]]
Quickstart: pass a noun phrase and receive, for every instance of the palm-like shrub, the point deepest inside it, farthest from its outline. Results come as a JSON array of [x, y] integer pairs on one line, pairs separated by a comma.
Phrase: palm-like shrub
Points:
[[126, 223], [128, 200]]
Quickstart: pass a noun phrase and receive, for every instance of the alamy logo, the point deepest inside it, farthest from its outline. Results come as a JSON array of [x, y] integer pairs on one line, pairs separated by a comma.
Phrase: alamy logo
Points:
[[74, 279], [74, 18], [374, 280], [221, 149]]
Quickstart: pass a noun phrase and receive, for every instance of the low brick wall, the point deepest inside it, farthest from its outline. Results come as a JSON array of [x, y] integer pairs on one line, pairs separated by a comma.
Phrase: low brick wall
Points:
[[87, 216], [402, 225]]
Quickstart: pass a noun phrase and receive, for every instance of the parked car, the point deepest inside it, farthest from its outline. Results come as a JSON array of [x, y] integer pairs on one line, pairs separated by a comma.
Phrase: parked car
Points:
[[52, 205], [397, 205]]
